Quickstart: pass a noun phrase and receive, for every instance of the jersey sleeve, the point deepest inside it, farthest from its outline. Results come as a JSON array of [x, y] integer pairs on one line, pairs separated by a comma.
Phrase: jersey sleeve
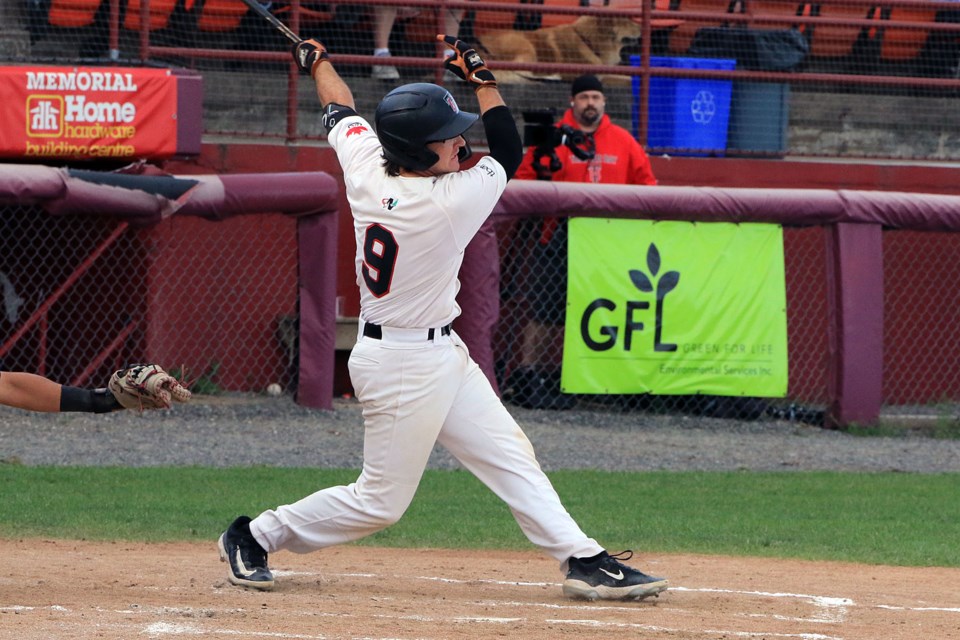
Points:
[[355, 143], [468, 197]]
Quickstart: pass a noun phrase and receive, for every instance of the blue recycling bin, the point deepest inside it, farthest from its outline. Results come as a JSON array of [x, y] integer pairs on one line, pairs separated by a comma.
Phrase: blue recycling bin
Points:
[[687, 115]]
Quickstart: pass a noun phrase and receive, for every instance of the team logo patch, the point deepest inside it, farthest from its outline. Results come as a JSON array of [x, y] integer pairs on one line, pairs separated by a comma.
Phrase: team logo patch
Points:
[[451, 103], [389, 203], [355, 129]]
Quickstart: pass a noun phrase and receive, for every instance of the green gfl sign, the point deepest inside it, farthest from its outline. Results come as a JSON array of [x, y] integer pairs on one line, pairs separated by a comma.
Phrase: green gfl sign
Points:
[[675, 308]]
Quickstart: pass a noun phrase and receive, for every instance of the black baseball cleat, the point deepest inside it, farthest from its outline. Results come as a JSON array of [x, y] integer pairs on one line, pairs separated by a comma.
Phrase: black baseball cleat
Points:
[[604, 577], [247, 559]]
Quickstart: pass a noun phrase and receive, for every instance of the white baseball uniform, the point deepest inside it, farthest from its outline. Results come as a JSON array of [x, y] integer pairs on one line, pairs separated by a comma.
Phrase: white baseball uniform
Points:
[[416, 381]]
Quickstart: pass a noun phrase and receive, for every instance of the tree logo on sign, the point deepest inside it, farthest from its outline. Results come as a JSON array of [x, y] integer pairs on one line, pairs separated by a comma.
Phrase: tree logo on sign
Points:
[[665, 284]]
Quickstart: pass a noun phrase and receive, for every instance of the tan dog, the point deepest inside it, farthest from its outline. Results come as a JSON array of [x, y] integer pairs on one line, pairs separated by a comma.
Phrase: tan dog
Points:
[[593, 39]]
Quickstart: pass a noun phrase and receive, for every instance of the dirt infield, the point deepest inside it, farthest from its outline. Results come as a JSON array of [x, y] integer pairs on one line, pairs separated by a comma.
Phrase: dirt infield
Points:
[[67, 589]]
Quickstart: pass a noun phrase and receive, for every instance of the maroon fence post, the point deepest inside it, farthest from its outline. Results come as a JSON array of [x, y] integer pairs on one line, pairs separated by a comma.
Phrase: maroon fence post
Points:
[[479, 299], [855, 325], [317, 250]]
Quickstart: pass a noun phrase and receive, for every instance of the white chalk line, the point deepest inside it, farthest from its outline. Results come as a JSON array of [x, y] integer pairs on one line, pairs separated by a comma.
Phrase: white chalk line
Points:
[[722, 632], [157, 629], [895, 608], [170, 629], [830, 605], [831, 610], [163, 628]]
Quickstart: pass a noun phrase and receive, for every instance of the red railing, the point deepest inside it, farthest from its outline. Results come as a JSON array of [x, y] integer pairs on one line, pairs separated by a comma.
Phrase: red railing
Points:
[[647, 12]]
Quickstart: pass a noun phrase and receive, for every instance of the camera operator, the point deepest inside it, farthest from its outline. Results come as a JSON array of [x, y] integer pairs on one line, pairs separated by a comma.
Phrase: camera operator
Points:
[[602, 153]]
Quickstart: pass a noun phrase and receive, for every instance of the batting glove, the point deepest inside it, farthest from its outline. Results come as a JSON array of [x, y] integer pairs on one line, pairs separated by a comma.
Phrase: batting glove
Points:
[[308, 55], [466, 63]]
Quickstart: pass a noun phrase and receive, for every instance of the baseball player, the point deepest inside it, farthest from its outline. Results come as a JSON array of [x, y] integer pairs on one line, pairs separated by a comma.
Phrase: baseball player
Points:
[[414, 211], [142, 386]]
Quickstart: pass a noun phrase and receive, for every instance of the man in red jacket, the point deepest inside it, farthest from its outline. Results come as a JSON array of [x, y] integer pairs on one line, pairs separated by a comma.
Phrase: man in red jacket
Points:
[[617, 158]]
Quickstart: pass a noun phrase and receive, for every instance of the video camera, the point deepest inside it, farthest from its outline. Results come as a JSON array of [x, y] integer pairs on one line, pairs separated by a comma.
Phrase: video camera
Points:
[[540, 132]]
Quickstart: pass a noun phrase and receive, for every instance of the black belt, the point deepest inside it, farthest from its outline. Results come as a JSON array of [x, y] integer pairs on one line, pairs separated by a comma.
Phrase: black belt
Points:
[[374, 331]]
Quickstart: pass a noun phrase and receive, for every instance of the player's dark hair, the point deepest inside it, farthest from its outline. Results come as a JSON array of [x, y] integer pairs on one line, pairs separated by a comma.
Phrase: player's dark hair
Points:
[[391, 167]]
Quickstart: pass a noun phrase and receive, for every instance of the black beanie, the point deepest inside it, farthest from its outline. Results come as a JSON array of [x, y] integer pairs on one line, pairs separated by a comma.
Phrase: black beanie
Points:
[[586, 82]]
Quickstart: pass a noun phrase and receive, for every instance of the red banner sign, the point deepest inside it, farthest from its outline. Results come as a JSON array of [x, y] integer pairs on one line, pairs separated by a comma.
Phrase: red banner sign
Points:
[[88, 112]]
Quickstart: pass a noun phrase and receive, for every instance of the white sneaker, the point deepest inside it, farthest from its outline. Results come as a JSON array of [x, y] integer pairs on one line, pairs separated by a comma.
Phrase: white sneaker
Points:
[[384, 71]]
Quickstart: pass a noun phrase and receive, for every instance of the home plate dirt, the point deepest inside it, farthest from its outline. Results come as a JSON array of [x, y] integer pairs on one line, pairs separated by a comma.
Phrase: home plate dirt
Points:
[[68, 589]]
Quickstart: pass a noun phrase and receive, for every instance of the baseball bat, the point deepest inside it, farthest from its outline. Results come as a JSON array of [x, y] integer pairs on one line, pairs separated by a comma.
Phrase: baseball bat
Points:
[[261, 11]]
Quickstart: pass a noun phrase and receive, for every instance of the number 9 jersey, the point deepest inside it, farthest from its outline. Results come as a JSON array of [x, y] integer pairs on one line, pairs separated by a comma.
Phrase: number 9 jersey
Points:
[[411, 232]]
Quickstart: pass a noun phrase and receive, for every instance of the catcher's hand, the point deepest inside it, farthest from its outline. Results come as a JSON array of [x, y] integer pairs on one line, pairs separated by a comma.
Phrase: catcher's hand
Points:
[[146, 386], [466, 63], [308, 54]]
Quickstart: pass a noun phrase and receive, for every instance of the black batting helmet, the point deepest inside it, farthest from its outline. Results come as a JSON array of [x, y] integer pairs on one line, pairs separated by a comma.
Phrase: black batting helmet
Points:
[[414, 114]]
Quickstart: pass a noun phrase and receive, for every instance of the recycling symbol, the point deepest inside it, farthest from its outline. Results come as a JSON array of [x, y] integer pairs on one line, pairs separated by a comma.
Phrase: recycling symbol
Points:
[[703, 107]]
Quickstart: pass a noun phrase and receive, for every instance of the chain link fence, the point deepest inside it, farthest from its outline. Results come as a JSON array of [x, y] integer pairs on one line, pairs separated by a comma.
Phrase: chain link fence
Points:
[[528, 343], [846, 79], [213, 302], [922, 345], [216, 302], [921, 340]]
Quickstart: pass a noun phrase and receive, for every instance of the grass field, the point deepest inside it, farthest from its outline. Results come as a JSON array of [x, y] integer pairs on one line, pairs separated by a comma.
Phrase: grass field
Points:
[[889, 518]]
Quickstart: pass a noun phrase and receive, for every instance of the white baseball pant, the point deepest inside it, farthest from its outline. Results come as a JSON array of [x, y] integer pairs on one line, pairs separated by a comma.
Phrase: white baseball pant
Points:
[[416, 392]]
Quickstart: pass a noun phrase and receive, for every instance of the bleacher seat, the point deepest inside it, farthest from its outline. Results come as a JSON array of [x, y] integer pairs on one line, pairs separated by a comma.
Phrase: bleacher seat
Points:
[[311, 15], [422, 28], [838, 40], [490, 20], [776, 8], [555, 19], [682, 37], [72, 14], [903, 43], [159, 14], [217, 16]]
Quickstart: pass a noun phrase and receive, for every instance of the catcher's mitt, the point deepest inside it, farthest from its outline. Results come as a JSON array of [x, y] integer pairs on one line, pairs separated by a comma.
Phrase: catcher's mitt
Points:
[[146, 386]]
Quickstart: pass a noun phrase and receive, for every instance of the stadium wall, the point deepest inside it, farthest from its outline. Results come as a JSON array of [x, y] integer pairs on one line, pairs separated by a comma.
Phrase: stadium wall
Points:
[[843, 306], [670, 171]]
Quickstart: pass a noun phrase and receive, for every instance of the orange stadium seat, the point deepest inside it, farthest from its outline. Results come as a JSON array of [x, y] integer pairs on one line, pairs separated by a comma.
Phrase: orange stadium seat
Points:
[[774, 9], [835, 41], [221, 15], [553, 19], [491, 20], [900, 43], [682, 37], [422, 28], [310, 17], [72, 13], [159, 13]]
